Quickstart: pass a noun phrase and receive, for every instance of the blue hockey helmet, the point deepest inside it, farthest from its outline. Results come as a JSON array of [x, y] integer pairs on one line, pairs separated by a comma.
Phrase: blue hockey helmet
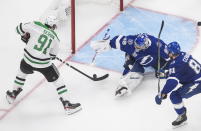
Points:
[[174, 48], [142, 41]]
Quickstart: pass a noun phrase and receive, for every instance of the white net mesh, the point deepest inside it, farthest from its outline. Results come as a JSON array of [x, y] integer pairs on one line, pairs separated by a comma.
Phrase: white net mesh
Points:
[[86, 19], [97, 2]]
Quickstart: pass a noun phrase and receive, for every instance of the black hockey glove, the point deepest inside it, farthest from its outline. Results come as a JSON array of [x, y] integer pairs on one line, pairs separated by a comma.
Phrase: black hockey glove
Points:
[[25, 37], [52, 57], [163, 74]]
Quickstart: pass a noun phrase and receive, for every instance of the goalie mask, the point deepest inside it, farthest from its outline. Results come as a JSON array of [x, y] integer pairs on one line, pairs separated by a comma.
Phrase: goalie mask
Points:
[[142, 41], [51, 22]]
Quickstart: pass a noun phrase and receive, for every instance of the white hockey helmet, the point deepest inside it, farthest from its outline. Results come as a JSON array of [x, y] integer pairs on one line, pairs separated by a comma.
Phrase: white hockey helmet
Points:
[[51, 21]]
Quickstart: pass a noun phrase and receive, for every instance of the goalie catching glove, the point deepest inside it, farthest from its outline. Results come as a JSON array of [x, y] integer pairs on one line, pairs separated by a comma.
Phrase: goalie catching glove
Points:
[[100, 46]]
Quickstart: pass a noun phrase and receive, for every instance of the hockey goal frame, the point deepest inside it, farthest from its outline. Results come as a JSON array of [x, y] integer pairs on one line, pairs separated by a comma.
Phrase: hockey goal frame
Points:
[[73, 36]]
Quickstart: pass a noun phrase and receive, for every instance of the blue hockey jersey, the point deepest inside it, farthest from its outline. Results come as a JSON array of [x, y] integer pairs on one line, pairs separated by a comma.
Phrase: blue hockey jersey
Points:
[[184, 70], [146, 57]]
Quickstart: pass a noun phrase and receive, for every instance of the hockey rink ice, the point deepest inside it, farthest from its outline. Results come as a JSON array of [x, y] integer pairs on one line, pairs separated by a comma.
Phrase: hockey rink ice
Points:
[[38, 108]]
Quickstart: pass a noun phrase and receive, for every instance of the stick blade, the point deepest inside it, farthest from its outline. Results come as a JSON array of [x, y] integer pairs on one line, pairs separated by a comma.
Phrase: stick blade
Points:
[[100, 78]]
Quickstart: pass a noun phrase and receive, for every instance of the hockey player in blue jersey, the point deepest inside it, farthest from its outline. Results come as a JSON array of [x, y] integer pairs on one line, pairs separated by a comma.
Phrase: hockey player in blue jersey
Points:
[[141, 51], [183, 70]]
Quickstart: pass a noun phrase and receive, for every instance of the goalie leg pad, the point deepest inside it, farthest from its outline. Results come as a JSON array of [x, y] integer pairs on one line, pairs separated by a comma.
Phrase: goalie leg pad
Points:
[[128, 83]]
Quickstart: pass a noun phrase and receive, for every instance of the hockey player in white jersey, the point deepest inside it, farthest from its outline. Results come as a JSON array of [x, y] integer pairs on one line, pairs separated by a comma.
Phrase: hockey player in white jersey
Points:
[[41, 48]]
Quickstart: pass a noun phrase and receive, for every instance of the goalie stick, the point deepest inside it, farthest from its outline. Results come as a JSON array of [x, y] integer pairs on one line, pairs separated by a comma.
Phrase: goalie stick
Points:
[[158, 42], [94, 78]]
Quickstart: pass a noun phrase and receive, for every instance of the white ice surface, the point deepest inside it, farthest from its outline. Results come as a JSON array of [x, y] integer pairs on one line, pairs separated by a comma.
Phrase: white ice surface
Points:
[[39, 108]]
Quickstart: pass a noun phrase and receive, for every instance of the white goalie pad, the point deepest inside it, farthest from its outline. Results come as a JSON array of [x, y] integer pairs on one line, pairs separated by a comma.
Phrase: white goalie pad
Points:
[[100, 46], [131, 80]]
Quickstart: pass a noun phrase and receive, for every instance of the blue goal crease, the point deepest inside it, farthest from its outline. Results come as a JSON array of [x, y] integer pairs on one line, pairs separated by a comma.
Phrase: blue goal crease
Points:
[[133, 21]]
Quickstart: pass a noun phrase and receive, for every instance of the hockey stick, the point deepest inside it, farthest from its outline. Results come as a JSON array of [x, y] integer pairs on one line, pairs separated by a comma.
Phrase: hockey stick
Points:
[[158, 43], [106, 37], [94, 78]]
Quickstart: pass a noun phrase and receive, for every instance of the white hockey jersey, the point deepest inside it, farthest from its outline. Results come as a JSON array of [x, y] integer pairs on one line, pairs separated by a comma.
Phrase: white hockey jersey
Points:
[[43, 43]]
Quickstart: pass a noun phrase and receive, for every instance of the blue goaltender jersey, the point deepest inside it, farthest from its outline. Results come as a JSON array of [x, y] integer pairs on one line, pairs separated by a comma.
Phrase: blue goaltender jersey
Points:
[[146, 57], [184, 70]]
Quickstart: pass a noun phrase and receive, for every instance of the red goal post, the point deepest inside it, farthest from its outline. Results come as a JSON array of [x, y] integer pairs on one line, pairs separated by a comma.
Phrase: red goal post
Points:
[[73, 26]]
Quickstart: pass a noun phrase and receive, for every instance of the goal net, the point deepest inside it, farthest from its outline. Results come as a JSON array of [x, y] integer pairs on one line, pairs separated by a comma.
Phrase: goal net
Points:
[[78, 20]]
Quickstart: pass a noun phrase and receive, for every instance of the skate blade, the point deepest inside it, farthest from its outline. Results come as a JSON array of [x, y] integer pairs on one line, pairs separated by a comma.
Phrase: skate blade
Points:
[[70, 112], [183, 124], [123, 95], [9, 99]]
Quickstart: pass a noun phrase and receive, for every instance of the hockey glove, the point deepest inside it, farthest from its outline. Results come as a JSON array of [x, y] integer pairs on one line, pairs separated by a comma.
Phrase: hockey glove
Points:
[[159, 98], [100, 46], [163, 74], [25, 37], [52, 57]]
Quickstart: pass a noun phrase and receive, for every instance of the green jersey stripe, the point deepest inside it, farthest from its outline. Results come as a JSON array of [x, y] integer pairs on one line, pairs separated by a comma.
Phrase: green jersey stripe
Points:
[[17, 30], [19, 83], [21, 28], [61, 92]]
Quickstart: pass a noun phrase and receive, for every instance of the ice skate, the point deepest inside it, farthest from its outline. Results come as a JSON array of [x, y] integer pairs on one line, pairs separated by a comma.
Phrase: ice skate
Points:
[[11, 95], [180, 121], [122, 91], [70, 108]]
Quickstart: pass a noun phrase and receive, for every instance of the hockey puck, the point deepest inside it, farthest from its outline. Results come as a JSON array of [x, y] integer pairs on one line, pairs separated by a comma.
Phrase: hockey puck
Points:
[[199, 23], [94, 76]]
